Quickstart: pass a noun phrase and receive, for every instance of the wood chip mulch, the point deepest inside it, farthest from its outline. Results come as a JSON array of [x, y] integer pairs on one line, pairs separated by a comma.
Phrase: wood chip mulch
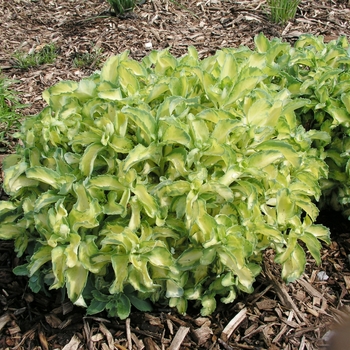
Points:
[[300, 315]]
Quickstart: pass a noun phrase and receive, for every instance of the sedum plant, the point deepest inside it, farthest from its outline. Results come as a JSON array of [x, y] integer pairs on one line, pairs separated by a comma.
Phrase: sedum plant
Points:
[[165, 180]]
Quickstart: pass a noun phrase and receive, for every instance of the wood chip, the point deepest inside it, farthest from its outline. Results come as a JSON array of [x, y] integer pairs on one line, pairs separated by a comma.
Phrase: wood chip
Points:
[[73, 344], [150, 344], [179, 337], [108, 335], [202, 334], [4, 319], [266, 304], [233, 324], [128, 333]]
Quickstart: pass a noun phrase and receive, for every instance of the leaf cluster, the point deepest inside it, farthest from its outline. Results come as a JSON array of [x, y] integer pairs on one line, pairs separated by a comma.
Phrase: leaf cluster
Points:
[[165, 180]]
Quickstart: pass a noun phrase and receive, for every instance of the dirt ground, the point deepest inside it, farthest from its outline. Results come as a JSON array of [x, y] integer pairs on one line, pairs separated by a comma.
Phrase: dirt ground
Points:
[[276, 316]]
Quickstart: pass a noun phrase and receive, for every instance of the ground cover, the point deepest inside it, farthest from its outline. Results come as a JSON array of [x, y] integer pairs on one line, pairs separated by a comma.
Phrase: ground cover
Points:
[[275, 316]]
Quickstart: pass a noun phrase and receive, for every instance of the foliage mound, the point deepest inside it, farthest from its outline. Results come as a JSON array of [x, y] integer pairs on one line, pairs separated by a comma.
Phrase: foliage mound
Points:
[[165, 180]]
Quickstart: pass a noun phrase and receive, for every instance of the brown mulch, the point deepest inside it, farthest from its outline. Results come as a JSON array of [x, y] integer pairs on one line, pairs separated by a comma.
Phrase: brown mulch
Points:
[[275, 316]]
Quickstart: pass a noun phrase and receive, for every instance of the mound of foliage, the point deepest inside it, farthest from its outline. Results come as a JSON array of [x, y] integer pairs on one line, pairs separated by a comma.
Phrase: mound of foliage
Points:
[[165, 180]]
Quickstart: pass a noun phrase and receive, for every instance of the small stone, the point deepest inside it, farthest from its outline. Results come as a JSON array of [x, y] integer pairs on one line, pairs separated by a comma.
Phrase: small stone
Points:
[[148, 46]]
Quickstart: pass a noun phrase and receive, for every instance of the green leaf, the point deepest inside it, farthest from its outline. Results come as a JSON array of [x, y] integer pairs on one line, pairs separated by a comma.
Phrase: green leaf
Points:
[[140, 304], [294, 266], [242, 88], [109, 71], [141, 153], [96, 307], [173, 290], [208, 305], [11, 231], [261, 159], [320, 232], [85, 211], [76, 278], [148, 202], [144, 120], [286, 149], [87, 162], [285, 207], [160, 256], [262, 43], [120, 267], [39, 258], [189, 258], [128, 80], [313, 245], [229, 68], [175, 135], [58, 267], [106, 182]]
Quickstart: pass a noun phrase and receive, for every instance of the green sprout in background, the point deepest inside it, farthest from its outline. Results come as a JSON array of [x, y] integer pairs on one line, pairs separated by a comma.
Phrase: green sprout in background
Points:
[[122, 6], [89, 59], [46, 55], [9, 117], [281, 11]]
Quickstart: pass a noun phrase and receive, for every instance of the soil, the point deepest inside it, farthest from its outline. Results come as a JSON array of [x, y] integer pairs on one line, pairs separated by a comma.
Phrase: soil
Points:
[[299, 315]]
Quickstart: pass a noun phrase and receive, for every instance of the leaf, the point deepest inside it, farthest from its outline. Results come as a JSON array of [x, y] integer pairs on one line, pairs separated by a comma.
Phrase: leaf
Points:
[[86, 209], [175, 135], [76, 278], [161, 257], [173, 290], [244, 274], [261, 159], [120, 267], [46, 199], [60, 88], [58, 267], [294, 266], [90, 256], [87, 162], [141, 153], [285, 207], [262, 43], [157, 91], [339, 114], [106, 182], [208, 305], [286, 149], [41, 256], [148, 202], [313, 245], [140, 304], [96, 307], [229, 68], [189, 258], [128, 80], [178, 159], [109, 71], [11, 231], [320, 232], [142, 119], [242, 88]]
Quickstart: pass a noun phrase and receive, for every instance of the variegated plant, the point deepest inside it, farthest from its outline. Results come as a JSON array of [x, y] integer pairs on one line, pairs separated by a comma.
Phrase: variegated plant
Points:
[[165, 180]]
